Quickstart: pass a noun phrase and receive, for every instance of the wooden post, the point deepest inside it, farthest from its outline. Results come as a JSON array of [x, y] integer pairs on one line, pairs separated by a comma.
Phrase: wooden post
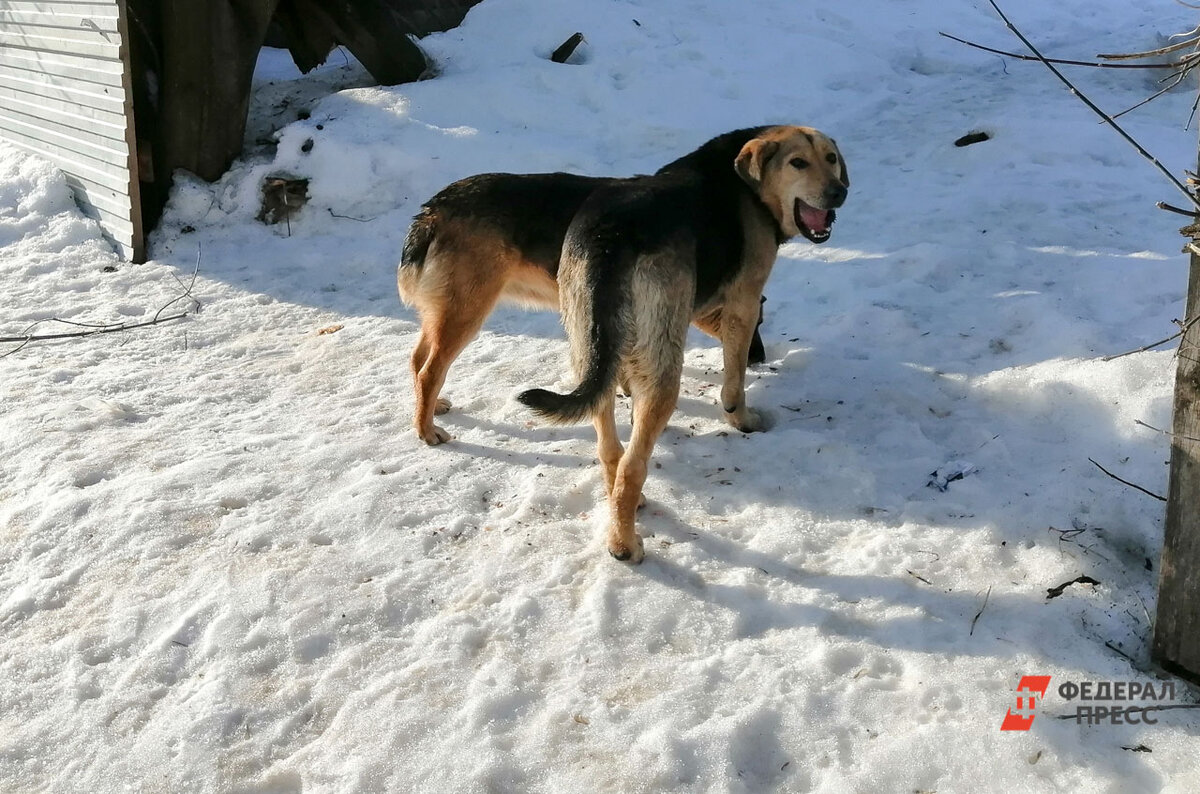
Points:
[[208, 54], [1176, 645]]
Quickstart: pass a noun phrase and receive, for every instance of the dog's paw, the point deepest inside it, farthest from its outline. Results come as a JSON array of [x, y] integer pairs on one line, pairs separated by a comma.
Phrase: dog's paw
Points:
[[434, 435], [441, 406], [747, 420], [625, 552]]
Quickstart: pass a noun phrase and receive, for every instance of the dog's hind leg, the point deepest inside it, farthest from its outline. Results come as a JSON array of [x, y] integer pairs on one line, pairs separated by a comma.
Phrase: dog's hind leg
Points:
[[420, 355], [443, 337], [448, 337], [651, 410], [654, 367], [461, 285], [608, 445]]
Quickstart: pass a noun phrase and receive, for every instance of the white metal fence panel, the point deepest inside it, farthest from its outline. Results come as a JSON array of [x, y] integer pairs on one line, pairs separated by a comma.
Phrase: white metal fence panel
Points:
[[65, 94]]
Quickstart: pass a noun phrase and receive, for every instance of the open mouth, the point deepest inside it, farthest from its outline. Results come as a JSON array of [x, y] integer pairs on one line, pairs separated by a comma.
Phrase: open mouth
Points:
[[813, 223]]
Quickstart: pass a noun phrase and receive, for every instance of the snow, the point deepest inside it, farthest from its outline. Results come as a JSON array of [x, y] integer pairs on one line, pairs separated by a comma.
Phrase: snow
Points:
[[228, 564]]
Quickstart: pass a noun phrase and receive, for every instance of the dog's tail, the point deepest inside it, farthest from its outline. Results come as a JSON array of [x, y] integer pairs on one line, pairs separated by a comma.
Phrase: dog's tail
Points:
[[412, 258], [420, 235], [596, 328]]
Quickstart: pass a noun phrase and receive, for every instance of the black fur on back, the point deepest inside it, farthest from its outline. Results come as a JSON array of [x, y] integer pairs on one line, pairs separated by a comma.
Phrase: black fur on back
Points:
[[718, 221], [530, 211], [698, 199]]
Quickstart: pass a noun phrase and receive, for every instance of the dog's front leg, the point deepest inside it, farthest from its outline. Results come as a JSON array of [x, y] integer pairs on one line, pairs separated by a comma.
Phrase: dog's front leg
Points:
[[738, 319]]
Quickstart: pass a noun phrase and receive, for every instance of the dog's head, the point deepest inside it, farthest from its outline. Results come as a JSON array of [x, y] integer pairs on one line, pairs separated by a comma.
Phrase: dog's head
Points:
[[800, 176]]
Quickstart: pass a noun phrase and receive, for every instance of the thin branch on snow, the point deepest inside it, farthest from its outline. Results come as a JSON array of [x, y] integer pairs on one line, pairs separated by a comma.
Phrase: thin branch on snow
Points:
[[1123, 56], [1127, 482], [1183, 329], [1094, 107], [91, 329], [351, 217], [1061, 61], [1144, 348], [1108, 644], [975, 619], [1162, 205], [1165, 432], [1179, 77]]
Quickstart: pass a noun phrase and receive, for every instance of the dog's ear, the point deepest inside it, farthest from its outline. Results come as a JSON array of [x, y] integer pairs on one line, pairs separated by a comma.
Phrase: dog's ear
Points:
[[752, 160], [845, 177]]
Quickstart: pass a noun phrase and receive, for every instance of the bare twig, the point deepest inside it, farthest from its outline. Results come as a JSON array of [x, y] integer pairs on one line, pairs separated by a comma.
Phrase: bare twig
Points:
[[1165, 432], [1095, 108], [1108, 644], [351, 217], [1127, 482], [1144, 348], [105, 329], [187, 291], [975, 619], [917, 576], [1151, 53], [1162, 205], [1062, 61], [1069, 536], [91, 329], [16, 349], [1179, 78]]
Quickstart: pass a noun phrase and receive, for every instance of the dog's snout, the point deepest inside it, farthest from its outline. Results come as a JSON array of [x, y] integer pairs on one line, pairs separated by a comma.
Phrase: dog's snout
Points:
[[834, 195]]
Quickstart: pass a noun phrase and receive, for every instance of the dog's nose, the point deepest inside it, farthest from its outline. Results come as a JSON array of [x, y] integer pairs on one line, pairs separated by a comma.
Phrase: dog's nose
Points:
[[834, 195]]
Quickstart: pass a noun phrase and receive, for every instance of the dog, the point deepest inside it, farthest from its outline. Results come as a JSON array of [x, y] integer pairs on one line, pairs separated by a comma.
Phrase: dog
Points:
[[695, 242], [479, 240]]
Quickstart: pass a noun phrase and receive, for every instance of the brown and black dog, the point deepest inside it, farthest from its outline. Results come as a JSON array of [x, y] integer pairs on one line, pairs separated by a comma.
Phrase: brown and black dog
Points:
[[694, 243], [486, 238]]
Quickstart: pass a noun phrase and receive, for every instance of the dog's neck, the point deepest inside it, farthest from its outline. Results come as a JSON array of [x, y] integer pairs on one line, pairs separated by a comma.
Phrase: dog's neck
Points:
[[716, 157], [727, 147]]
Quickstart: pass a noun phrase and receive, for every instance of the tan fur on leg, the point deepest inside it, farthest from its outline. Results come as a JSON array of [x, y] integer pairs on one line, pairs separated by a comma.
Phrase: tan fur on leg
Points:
[[454, 296], [736, 333], [608, 445], [449, 337], [651, 413]]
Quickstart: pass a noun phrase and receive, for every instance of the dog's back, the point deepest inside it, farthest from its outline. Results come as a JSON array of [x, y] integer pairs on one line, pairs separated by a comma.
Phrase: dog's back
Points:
[[481, 239], [637, 259], [529, 211]]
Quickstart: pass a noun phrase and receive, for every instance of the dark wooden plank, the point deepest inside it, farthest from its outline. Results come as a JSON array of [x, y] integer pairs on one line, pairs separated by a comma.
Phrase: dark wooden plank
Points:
[[209, 48], [309, 39], [376, 31], [1176, 645]]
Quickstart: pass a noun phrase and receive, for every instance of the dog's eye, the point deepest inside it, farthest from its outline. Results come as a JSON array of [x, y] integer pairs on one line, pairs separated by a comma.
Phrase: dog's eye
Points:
[[799, 162], [831, 157]]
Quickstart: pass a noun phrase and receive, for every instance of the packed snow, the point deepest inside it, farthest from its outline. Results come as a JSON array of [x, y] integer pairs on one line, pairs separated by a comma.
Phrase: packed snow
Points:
[[227, 563]]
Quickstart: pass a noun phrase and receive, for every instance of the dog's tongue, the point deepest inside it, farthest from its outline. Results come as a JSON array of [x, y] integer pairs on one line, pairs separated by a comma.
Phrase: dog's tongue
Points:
[[814, 219]]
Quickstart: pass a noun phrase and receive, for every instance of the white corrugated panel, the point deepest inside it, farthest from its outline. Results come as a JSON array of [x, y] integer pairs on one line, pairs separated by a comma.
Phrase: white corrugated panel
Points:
[[65, 94]]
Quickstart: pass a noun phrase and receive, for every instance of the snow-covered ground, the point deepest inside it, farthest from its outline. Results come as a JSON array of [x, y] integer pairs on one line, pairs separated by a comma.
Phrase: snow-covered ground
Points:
[[228, 564]]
